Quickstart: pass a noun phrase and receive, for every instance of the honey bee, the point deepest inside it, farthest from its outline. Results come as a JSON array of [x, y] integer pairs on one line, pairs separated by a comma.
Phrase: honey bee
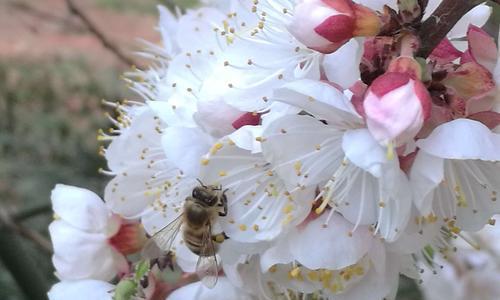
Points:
[[200, 210]]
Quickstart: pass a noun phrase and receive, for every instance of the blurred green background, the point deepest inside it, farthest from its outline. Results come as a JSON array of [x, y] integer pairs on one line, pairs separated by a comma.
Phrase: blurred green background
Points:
[[53, 75]]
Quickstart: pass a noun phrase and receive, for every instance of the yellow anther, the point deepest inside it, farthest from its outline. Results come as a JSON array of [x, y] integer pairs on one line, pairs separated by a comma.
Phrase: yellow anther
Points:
[[288, 219], [313, 275], [295, 273], [243, 227], [216, 148], [205, 161], [255, 227], [288, 209], [219, 238], [298, 166], [222, 173], [390, 151]]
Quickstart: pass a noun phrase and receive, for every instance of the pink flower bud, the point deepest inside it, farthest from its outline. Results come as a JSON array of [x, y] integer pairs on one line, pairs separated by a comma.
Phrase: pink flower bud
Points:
[[396, 106], [326, 25], [129, 239]]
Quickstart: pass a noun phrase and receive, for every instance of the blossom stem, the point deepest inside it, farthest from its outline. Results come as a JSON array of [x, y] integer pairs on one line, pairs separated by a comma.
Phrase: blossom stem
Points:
[[442, 20]]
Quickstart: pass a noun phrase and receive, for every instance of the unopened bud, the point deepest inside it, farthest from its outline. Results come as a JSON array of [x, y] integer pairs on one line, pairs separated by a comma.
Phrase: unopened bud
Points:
[[326, 25], [396, 106]]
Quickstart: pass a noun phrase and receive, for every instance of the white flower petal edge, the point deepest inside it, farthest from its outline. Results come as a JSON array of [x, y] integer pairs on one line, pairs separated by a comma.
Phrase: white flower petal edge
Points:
[[80, 208], [322, 100], [184, 147], [334, 246], [462, 139], [456, 173], [342, 67], [81, 290], [224, 290]]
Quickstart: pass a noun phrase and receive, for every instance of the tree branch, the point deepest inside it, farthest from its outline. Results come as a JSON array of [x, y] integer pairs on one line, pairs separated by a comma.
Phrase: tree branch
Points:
[[31, 212], [442, 20], [74, 9], [7, 223]]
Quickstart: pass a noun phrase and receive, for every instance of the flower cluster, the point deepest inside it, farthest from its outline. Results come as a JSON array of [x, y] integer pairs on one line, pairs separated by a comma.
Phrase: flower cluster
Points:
[[345, 158]]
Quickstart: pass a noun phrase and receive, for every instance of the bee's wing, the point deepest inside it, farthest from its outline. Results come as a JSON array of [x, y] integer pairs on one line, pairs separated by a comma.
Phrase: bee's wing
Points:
[[161, 241], [207, 267]]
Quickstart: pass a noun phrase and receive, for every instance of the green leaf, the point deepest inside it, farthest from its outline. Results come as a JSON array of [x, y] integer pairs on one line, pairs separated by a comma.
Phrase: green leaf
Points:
[[125, 290], [141, 270]]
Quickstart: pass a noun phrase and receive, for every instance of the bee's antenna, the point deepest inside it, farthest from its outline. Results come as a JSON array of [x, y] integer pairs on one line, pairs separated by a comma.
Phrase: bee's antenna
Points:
[[201, 183]]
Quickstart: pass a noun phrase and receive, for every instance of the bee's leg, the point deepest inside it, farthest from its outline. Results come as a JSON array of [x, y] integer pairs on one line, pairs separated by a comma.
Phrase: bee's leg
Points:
[[223, 204], [219, 238]]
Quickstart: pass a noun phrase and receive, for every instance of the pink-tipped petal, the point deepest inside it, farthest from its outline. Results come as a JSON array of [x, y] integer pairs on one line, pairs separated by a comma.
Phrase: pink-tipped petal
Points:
[[396, 107], [482, 47]]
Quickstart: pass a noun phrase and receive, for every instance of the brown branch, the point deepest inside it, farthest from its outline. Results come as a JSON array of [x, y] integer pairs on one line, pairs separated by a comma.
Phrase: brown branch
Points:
[[74, 9], [32, 212], [496, 1], [44, 16], [442, 20], [38, 239]]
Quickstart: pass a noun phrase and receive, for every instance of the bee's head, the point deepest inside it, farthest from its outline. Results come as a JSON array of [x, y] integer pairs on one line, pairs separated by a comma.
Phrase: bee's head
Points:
[[206, 194]]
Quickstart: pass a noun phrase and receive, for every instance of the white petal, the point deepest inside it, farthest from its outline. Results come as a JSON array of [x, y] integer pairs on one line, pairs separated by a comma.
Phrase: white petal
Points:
[[342, 66], [469, 193], [320, 99], [223, 290], [172, 115], [362, 197], [168, 28], [425, 175], [259, 204], [462, 139], [130, 192], [81, 255], [364, 151], [196, 29], [184, 147], [279, 253], [249, 87], [232, 251], [215, 117], [81, 290], [374, 286], [303, 150], [127, 148], [79, 207], [332, 246], [245, 138]]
